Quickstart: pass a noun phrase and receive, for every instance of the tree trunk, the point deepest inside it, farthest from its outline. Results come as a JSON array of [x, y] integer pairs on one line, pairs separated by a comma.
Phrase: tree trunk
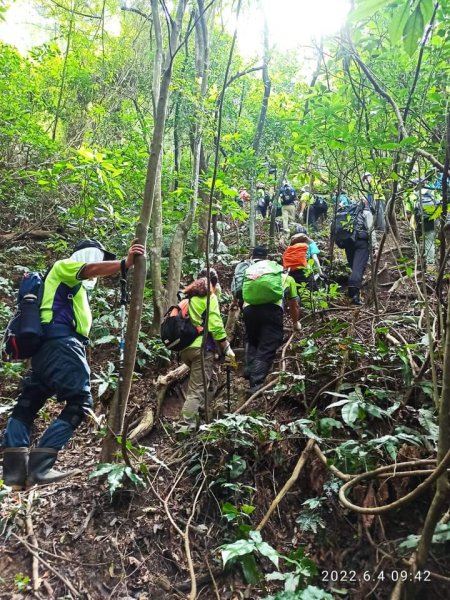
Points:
[[119, 404], [259, 130], [183, 228]]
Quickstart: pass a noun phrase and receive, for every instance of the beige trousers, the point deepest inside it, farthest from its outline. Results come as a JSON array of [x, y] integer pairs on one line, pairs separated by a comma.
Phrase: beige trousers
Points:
[[195, 398], [288, 216]]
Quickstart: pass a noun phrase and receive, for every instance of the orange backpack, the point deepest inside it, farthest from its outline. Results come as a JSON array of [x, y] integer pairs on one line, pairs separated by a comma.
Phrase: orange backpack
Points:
[[294, 257]]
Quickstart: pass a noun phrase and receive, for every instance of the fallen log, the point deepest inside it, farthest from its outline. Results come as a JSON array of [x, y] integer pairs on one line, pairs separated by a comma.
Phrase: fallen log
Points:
[[163, 383], [36, 234]]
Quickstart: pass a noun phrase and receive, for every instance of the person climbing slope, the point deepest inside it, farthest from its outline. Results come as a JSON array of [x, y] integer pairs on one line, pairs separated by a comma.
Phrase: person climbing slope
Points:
[[59, 367], [197, 294], [264, 288]]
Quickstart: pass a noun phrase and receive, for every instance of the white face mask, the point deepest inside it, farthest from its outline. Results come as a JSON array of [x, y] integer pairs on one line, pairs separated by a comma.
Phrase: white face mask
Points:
[[88, 255]]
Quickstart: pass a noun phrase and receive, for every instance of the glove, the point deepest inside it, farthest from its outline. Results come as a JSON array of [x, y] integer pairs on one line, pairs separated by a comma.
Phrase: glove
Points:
[[297, 326], [230, 357]]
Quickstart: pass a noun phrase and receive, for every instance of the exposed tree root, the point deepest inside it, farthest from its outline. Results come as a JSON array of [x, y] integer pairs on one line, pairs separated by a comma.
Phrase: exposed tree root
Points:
[[289, 483]]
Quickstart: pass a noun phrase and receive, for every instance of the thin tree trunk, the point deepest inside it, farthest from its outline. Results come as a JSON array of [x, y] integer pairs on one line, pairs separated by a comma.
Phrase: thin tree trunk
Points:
[[260, 129], [119, 404], [183, 228], [64, 71]]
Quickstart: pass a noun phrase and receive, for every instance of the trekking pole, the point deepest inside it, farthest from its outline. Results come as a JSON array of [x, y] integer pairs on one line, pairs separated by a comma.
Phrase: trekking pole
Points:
[[123, 304], [229, 388]]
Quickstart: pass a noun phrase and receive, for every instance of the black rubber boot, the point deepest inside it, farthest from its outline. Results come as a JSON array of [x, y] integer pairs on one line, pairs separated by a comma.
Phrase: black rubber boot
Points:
[[40, 465], [356, 299], [15, 465], [354, 295]]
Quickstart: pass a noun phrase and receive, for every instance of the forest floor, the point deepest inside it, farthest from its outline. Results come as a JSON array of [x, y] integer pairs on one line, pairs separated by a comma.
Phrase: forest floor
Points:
[[210, 488]]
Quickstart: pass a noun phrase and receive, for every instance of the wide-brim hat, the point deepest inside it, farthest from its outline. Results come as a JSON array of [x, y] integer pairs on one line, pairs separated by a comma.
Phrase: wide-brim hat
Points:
[[95, 244]]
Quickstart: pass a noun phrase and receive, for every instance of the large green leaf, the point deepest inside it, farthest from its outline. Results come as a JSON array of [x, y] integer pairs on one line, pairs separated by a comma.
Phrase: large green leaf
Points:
[[367, 8], [398, 22], [426, 8], [413, 31]]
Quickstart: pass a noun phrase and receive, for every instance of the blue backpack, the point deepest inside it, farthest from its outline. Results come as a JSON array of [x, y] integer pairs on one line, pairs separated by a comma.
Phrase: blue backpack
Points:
[[24, 333]]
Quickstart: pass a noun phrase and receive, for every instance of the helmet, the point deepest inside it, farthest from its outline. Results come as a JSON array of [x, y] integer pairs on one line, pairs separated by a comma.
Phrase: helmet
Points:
[[94, 244], [366, 175]]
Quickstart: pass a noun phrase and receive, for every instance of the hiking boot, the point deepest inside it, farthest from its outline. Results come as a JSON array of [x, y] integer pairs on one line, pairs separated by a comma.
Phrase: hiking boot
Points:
[[40, 465], [356, 299], [15, 463]]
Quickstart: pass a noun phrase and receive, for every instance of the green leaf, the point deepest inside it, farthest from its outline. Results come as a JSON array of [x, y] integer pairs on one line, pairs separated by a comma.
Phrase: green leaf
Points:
[[237, 466], [101, 469], [106, 339], [413, 31], [115, 477], [367, 8], [250, 569], [102, 388], [398, 22], [132, 476], [266, 550], [441, 533], [314, 593], [410, 542], [236, 549], [426, 8], [350, 413]]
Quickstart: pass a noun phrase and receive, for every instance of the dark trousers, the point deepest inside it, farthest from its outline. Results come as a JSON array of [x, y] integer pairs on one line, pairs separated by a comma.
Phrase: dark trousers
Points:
[[357, 253], [58, 368], [313, 215], [264, 335], [262, 209]]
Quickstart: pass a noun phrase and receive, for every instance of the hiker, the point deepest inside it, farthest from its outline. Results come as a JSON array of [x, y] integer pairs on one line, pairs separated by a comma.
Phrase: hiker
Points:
[[375, 201], [197, 294], [312, 208], [262, 199], [295, 258], [288, 198], [213, 280], [353, 231], [342, 201], [263, 291], [244, 196], [306, 201], [423, 206], [59, 367]]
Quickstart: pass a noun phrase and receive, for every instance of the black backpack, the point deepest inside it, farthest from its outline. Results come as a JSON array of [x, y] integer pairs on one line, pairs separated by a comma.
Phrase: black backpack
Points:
[[177, 330], [24, 333], [347, 224], [287, 194], [320, 204]]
